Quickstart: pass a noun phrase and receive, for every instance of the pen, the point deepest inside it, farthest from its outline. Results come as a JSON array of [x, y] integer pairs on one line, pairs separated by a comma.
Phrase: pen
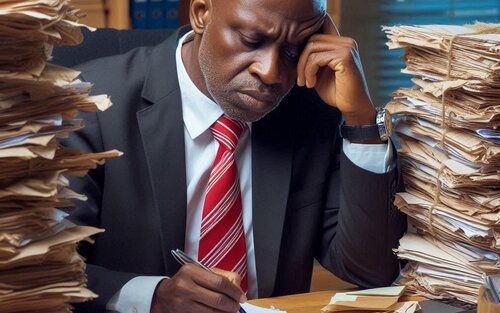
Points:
[[183, 258]]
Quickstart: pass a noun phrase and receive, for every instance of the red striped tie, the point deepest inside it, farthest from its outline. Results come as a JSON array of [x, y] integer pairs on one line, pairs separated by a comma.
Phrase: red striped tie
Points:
[[222, 238]]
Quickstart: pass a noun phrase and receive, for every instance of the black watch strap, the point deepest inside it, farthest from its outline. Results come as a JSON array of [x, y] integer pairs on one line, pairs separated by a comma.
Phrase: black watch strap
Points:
[[361, 132]]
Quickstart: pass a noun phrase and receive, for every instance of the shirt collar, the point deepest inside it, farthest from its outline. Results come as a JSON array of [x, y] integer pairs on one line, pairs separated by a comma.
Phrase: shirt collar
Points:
[[198, 111]]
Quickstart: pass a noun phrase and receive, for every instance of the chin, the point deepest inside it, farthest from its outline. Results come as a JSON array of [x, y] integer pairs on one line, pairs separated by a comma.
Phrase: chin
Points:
[[246, 115]]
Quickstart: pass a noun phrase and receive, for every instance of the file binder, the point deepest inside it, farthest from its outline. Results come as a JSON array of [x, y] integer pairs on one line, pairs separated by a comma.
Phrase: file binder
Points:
[[171, 13], [155, 14], [139, 10]]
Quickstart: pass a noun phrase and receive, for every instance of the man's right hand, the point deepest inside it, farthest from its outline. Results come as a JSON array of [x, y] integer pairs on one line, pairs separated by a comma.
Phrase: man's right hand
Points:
[[192, 289]]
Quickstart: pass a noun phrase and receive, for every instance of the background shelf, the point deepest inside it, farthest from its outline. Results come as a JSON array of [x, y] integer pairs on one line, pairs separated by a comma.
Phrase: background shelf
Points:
[[116, 13]]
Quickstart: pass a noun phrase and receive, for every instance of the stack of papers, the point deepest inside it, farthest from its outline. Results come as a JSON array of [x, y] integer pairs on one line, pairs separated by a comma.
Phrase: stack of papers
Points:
[[448, 223], [467, 109], [374, 300], [40, 269], [29, 29], [448, 268], [427, 51], [448, 126], [45, 275]]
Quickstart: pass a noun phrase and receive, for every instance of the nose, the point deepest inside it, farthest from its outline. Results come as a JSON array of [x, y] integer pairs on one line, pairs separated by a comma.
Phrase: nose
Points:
[[267, 66]]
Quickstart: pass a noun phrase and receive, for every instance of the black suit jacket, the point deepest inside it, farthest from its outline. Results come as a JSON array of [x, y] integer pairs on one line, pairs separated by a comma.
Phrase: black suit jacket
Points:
[[307, 201]]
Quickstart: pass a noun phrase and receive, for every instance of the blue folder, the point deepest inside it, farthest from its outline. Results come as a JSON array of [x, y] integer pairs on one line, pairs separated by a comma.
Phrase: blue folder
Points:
[[171, 13], [155, 14], [139, 11]]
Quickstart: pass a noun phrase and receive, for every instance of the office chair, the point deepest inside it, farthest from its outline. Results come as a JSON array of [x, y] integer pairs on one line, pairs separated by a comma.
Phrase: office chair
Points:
[[105, 42]]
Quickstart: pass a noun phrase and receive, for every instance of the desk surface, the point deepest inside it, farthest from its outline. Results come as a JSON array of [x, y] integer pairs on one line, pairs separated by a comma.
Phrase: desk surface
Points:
[[311, 302], [301, 303]]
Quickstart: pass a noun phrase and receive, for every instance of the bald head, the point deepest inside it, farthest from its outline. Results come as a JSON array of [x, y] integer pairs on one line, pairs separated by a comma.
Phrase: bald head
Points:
[[284, 5], [296, 10]]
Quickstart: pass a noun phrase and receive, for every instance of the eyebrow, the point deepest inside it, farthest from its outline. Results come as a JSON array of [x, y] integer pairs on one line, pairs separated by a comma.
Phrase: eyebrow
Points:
[[260, 33], [245, 26]]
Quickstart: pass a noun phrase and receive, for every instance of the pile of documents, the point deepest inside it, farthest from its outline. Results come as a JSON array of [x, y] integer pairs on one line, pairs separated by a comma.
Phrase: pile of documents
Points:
[[384, 299], [30, 28], [40, 269], [448, 125]]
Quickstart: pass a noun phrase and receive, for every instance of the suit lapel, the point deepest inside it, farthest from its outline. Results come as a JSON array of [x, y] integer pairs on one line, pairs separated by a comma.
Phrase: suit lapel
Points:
[[271, 169], [162, 132]]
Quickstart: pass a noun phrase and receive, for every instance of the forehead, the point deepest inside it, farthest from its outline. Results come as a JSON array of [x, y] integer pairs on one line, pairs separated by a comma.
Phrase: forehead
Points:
[[270, 16]]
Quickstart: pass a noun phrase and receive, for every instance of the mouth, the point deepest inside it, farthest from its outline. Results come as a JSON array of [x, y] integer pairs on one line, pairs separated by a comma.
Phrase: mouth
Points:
[[257, 99]]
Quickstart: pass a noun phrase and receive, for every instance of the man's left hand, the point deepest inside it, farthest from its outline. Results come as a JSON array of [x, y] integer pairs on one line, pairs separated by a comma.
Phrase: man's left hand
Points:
[[330, 63]]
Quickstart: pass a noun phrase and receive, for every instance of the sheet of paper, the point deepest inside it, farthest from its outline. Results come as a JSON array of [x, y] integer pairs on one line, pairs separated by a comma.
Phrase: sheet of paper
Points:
[[250, 308], [383, 291]]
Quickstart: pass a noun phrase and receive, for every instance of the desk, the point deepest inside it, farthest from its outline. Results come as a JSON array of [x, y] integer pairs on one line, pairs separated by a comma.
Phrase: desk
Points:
[[311, 302]]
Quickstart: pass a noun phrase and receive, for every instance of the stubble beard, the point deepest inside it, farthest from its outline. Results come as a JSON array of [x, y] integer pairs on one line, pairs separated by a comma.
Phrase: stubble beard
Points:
[[222, 94]]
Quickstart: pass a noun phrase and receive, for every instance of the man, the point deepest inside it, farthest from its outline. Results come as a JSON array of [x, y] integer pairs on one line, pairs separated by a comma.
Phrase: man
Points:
[[293, 199]]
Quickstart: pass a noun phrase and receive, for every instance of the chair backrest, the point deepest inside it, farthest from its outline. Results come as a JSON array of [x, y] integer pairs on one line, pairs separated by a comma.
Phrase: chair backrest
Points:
[[105, 42]]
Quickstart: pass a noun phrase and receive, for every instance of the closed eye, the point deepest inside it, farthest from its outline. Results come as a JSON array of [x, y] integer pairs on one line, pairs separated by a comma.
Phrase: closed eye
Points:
[[250, 41], [292, 53]]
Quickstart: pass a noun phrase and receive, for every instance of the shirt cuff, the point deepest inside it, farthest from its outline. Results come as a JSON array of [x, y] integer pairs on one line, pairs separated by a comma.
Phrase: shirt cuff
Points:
[[135, 296], [376, 158]]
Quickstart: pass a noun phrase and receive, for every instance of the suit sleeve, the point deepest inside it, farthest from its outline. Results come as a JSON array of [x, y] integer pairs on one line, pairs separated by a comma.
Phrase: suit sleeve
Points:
[[360, 225], [102, 281]]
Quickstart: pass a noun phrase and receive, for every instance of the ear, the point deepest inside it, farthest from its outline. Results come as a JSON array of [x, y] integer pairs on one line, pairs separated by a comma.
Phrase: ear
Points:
[[199, 14]]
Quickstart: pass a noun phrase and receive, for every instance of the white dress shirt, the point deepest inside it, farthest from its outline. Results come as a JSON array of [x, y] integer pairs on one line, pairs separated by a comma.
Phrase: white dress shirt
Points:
[[199, 113]]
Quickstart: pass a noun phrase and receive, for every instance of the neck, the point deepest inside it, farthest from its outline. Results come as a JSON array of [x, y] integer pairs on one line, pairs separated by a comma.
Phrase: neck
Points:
[[191, 61]]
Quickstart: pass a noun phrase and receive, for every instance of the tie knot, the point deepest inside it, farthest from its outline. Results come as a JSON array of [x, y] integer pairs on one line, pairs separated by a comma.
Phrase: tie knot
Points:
[[227, 131]]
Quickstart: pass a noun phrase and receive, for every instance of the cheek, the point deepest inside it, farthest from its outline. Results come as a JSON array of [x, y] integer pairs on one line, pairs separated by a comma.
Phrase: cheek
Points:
[[222, 45], [228, 41], [290, 72], [288, 76], [222, 56]]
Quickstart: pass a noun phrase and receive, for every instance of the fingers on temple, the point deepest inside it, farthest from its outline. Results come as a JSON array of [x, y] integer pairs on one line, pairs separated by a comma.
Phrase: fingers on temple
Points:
[[317, 51]]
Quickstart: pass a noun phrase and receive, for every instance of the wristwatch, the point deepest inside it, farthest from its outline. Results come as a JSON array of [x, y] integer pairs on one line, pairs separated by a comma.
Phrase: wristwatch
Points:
[[380, 130]]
